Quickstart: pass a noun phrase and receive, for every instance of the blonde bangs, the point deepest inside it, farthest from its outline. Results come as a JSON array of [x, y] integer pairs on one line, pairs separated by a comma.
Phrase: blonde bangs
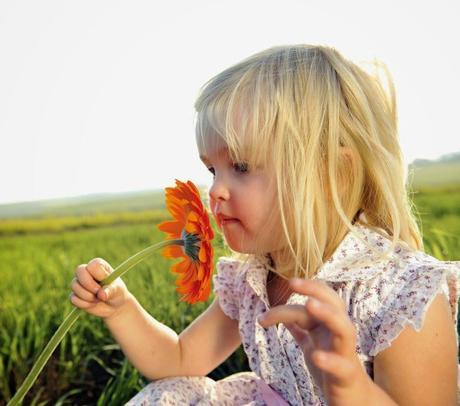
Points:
[[234, 109]]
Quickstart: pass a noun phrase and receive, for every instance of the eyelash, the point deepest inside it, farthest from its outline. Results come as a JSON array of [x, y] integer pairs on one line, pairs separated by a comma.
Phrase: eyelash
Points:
[[241, 167]]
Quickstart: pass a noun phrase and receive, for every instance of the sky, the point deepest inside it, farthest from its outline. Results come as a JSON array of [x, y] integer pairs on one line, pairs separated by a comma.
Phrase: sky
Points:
[[97, 96]]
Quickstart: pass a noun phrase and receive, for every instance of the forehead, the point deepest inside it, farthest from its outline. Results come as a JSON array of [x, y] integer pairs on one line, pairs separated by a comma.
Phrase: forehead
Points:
[[214, 153], [212, 145], [219, 127]]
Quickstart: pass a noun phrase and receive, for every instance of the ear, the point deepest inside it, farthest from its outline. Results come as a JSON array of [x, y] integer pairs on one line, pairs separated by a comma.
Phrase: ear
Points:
[[347, 171], [348, 168]]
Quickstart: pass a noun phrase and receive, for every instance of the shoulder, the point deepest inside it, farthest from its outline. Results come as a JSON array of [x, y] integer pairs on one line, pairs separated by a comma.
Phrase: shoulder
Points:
[[406, 287], [238, 274], [224, 286], [414, 279], [227, 271], [235, 269], [376, 274], [395, 276], [228, 268]]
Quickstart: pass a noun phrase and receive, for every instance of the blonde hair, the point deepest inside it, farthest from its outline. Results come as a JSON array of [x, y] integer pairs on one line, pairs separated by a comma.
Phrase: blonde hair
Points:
[[328, 129]]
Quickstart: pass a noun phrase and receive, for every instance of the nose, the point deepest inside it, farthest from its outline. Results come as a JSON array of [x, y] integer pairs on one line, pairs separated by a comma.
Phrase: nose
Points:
[[219, 190]]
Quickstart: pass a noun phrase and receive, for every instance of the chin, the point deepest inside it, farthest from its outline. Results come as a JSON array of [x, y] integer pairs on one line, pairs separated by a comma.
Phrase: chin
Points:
[[249, 245], [242, 248]]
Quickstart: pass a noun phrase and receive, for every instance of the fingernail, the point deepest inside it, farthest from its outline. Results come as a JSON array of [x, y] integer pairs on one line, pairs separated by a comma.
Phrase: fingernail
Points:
[[321, 356], [314, 303]]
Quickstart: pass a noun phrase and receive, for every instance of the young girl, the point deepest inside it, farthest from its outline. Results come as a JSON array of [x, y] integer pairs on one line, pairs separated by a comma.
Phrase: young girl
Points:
[[327, 287]]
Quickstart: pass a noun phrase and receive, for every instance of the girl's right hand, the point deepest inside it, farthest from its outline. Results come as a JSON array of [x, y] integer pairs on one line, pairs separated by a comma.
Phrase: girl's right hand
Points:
[[91, 297]]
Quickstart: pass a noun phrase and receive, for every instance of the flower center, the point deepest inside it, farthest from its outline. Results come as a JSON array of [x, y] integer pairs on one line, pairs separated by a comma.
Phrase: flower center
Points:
[[191, 245]]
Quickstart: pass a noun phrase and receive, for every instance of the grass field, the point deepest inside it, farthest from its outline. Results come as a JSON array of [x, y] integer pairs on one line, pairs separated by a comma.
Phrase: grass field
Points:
[[37, 261]]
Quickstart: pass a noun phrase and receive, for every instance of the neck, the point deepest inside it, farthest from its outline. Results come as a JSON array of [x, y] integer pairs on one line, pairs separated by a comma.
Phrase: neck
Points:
[[278, 289], [280, 266]]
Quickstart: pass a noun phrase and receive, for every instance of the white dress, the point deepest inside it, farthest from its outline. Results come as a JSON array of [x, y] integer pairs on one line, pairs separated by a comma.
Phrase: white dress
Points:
[[382, 299]]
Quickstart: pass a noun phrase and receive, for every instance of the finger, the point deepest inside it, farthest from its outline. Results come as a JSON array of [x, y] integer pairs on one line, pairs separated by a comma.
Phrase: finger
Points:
[[317, 289], [287, 314], [81, 292], [86, 280], [99, 268], [343, 370], [338, 323], [301, 336], [82, 304]]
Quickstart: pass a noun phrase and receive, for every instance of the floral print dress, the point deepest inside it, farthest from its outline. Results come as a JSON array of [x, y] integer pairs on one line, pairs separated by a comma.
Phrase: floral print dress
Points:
[[382, 297]]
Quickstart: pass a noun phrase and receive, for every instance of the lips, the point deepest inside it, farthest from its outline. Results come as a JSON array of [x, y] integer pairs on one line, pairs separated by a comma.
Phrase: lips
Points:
[[224, 219]]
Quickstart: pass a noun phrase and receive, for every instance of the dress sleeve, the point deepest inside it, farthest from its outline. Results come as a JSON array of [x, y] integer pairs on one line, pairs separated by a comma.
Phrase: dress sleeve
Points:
[[225, 281], [411, 297]]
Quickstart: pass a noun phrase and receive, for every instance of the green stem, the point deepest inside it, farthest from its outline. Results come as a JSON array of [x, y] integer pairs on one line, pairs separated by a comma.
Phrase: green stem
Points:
[[75, 314]]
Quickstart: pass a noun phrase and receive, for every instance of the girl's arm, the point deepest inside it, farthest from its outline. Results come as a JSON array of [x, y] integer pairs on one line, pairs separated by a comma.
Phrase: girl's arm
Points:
[[420, 368], [156, 351], [208, 341]]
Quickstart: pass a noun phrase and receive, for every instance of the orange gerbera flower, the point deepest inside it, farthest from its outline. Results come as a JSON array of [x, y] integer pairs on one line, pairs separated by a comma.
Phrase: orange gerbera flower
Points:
[[192, 226]]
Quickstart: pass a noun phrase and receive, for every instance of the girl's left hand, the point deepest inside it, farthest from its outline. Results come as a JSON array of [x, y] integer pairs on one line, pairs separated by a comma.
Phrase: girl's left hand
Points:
[[327, 338]]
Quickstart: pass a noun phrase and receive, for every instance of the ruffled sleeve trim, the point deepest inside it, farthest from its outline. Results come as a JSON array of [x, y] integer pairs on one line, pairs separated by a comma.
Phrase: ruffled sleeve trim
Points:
[[408, 305], [224, 282]]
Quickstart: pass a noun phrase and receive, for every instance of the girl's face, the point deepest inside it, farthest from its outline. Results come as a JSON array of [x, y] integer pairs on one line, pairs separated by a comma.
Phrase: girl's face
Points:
[[244, 203]]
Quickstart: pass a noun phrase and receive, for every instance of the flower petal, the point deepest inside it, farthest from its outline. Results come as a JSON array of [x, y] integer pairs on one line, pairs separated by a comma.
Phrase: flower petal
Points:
[[203, 253], [173, 251], [174, 228], [183, 266]]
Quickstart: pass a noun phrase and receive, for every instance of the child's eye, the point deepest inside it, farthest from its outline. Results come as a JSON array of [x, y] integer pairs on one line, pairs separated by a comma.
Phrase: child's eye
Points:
[[211, 169], [242, 167]]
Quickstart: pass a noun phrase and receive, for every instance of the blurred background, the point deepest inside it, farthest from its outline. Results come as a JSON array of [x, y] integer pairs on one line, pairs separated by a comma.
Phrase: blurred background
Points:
[[96, 118]]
